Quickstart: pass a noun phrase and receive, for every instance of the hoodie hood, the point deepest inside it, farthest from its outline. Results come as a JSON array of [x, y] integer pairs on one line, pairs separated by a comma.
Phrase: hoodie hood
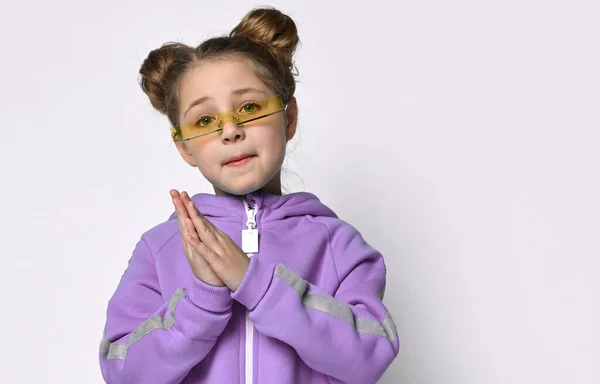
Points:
[[270, 207]]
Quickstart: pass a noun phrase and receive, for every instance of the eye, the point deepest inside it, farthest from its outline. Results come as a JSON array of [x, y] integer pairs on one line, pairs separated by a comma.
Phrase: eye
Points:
[[250, 107], [205, 121]]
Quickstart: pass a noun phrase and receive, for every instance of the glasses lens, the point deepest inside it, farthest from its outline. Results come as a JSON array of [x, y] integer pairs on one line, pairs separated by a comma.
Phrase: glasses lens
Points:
[[243, 116]]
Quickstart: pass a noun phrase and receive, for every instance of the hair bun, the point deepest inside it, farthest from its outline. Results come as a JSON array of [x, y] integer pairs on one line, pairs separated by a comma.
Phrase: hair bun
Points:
[[156, 72], [272, 29]]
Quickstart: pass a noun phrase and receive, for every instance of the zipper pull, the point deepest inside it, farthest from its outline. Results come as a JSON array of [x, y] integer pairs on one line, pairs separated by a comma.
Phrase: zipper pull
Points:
[[250, 235]]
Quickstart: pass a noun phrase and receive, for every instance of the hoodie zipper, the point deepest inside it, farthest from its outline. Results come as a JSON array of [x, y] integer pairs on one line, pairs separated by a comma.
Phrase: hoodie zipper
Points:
[[250, 247]]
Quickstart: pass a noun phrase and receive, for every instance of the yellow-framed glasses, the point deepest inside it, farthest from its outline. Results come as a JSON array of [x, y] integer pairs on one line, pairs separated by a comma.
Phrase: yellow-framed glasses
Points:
[[242, 117]]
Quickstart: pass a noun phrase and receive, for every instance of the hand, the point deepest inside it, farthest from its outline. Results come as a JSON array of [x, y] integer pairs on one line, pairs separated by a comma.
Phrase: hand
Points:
[[221, 253], [200, 267]]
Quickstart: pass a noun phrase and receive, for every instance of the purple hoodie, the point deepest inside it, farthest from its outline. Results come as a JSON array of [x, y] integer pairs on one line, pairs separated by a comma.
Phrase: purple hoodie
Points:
[[308, 310]]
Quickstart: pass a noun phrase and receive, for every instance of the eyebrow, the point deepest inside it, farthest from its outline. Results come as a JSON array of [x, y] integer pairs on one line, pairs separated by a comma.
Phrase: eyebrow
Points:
[[237, 92]]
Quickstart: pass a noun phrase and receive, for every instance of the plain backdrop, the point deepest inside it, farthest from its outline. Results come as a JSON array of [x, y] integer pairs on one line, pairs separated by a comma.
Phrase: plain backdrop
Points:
[[460, 137]]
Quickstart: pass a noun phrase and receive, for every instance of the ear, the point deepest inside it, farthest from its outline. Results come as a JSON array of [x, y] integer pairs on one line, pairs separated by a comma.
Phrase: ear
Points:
[[186, 154], [291, 119]]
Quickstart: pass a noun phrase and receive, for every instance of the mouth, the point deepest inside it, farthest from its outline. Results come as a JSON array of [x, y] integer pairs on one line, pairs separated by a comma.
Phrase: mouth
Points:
[[239, 160]]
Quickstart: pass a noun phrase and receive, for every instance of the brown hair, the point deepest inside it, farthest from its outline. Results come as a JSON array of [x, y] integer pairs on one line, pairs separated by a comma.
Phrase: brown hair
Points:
[[265, 36]]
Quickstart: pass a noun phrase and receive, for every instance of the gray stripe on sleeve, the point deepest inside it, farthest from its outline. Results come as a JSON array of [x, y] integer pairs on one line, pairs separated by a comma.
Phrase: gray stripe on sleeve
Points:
[[118, 351], [336, 308]]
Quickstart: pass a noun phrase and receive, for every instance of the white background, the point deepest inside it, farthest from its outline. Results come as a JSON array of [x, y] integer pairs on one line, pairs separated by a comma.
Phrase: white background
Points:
[[460, 137]]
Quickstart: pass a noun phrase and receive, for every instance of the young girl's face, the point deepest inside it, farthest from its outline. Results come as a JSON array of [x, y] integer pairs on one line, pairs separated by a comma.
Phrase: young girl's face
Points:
[[221, 85]]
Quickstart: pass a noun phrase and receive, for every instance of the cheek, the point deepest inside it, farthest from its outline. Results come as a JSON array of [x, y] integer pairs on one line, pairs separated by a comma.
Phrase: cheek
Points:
[[202, 155], [274, 145], [273, 139]]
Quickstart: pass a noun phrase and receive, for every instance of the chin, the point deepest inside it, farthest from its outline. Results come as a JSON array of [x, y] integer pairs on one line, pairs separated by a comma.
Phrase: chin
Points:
[[241, 189]]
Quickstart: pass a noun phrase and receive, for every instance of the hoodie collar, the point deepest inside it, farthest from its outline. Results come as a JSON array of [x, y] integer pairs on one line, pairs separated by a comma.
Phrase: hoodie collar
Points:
[[269, 207]]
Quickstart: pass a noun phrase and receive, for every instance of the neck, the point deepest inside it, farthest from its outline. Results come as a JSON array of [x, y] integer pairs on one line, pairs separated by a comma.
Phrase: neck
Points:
[[273, 187]]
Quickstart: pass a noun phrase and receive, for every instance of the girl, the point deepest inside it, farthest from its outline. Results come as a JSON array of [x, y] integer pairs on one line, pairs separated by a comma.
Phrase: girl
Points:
[[192, 305]]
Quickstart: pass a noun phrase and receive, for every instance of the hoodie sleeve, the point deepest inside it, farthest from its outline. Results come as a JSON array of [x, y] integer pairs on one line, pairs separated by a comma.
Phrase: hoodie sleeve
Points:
[[151, 339], [350, 336]]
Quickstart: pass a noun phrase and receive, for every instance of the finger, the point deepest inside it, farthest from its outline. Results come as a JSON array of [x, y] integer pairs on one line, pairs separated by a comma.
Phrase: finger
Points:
[[190, 233], [203, 229], [181, 212], [177, 214], [186, 199], [180, 207], [211, 258], [191, 230]]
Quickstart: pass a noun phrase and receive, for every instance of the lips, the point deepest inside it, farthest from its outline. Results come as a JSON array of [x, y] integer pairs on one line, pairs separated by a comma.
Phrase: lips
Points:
[[237, 158]]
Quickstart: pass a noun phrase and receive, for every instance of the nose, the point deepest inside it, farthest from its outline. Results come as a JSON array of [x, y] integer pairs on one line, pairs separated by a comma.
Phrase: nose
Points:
[[231, 133]]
